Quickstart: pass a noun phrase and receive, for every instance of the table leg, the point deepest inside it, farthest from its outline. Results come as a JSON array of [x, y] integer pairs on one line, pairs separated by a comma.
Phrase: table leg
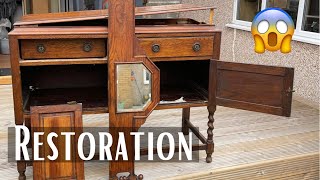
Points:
[[21, 167], [210, 143], [130, 177], [185, 119]]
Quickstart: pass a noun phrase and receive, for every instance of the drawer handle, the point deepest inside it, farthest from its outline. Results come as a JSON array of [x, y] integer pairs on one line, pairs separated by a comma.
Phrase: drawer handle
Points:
[[196, 47], [87, 47], [156, 48], [41, 48]]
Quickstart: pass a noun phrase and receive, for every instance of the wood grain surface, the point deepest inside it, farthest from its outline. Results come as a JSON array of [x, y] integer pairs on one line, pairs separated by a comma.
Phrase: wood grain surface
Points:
[[103, 14], [59, 118], [169, 48], [255, 87], [63, 48]]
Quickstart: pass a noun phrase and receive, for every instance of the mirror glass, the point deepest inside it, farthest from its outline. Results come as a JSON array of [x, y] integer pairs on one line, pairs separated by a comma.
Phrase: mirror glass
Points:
[[133, 87]]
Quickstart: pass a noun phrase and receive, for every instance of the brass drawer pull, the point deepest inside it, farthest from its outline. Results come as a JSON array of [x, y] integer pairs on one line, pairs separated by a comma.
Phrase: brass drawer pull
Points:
[[156, 48], [41, 48], [87, 47], [196, 47]]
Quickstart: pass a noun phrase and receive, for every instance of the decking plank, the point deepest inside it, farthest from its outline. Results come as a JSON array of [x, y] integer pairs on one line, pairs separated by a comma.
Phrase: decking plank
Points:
[[248, 144]]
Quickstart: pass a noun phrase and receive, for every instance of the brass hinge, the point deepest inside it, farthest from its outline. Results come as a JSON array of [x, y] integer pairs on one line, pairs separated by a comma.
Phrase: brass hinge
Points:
[[290, 91]]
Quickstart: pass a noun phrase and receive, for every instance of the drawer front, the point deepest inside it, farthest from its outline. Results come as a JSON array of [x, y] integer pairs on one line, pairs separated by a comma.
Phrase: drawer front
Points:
[[62, 48], [177, 47]]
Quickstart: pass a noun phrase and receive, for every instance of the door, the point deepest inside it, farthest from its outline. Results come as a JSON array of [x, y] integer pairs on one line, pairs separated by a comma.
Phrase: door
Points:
[[58, 119], [257, 88]]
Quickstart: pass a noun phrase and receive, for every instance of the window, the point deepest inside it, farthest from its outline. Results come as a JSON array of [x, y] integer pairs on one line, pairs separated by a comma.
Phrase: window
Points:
[[247, 9], [146, 76], [310, 20], [290, 6], [305, 14]]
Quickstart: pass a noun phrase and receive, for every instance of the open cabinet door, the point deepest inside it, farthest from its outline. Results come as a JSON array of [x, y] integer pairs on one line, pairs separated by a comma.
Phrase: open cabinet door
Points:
[[257, 88]]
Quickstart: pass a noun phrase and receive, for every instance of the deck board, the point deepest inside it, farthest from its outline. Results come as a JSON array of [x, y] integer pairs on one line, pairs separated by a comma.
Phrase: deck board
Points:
[[4, 61], [249, 145]]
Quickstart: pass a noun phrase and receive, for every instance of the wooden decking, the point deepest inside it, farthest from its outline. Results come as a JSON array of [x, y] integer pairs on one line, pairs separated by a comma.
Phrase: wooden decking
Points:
[[248, 145], [5, 64]]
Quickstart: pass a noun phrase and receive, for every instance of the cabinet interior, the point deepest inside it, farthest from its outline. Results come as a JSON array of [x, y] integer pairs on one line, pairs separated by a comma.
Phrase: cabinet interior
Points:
[[138, 22], [87, 84], [51, 85], [187, 80]]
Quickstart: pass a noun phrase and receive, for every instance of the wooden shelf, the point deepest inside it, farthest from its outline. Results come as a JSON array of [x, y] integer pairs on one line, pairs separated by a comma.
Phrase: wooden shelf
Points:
[[193, 97], [188, 93], [94, 99], [48, 62], [181, 105]]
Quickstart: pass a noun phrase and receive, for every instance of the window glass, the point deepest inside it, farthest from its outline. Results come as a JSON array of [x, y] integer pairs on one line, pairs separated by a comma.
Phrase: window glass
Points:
[[133, 93], [290, 6], [310, 21], [247, 9]]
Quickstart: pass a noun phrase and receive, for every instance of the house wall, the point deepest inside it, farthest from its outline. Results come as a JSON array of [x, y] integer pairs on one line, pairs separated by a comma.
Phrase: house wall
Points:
[[238, 46]]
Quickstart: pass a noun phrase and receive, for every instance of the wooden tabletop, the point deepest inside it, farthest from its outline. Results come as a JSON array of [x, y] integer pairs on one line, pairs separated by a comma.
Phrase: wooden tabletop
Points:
[[34, 19]]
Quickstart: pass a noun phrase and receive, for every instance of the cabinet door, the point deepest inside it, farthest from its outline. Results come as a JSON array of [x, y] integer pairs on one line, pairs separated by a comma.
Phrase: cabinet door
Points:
[[257, 88], [60, 118]]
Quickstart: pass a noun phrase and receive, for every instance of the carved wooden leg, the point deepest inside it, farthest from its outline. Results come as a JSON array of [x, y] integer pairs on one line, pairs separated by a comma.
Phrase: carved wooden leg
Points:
[[130, 177], [27, 123], [21, 166], [185, 119], [113, 177], [210, 143], [135, 177], [140, 177], [123, 178]]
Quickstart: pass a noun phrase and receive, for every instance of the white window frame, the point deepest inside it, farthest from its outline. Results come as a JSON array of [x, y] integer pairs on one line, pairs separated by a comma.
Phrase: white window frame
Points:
[[299, 34], [145, 80]]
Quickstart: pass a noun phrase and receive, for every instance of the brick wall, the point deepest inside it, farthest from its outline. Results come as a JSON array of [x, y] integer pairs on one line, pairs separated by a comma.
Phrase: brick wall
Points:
[[131, 89]]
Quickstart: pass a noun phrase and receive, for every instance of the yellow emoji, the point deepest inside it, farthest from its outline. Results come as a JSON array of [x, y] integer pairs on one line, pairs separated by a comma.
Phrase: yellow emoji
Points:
[[272, 29]]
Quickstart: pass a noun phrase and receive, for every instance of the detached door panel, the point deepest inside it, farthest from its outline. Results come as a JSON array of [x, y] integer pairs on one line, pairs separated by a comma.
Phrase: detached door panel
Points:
[[58, 119], [257, 88]]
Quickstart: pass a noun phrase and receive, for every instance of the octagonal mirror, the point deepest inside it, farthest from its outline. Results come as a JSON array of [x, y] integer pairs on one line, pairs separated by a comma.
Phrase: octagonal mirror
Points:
[[133, 87]]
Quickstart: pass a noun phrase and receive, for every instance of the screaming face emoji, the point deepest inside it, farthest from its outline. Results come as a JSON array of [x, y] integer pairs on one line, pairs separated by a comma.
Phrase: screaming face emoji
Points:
[[272, 29]]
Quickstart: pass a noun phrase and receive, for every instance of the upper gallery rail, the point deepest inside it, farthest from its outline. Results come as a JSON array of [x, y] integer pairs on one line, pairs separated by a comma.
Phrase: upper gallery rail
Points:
[[34, 19]]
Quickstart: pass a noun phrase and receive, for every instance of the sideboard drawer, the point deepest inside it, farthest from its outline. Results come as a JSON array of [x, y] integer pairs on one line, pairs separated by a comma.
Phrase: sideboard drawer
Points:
[[62, 48], [178, 47]]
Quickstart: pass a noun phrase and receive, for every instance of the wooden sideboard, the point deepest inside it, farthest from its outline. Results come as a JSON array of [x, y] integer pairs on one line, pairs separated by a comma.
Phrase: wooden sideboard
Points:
[[75, 57]]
